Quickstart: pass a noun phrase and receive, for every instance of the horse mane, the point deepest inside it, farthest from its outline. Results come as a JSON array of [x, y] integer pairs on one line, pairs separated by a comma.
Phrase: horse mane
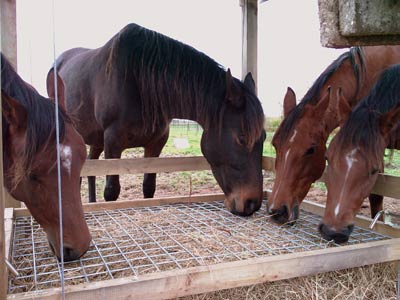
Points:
[[362, 126], [40, 131], [167, 74], [313, 94]]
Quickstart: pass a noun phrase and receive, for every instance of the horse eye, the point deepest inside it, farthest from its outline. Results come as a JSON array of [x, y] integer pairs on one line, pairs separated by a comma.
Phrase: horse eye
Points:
[[374, 171], [310, 150], [241, 140], [33, 177]]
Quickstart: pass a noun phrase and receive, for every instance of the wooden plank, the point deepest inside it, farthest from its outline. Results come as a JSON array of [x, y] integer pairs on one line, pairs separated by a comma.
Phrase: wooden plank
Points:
[[268, 163], [249, 38], [204, 279], [360, 221], [387, 185], [99, 206], [154, 165], [8, 26], [8, 230], [10, 201], [144, 165], [8, 233]]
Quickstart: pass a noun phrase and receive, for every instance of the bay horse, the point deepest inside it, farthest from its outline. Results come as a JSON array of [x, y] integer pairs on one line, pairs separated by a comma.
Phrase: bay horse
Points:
[[125, 93], [300, 140], [355, 154], [29, 162]]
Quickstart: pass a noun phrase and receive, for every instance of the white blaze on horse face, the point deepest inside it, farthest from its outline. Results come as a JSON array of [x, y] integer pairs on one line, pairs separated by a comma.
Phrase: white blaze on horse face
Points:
[[279, 184], [66, 157], [349, 162], [293, 136]]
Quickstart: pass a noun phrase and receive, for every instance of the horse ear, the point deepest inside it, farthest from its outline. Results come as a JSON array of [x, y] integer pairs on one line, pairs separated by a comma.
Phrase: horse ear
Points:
[[14, 112], [389, 120], [60, 88], [232, 92], [323, 104], [249, 82], [343, 107], [289, 102]]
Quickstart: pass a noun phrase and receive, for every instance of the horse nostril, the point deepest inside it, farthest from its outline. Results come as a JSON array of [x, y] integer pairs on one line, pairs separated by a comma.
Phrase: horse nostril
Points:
[[250, 206], [280, 215], [70, 254]]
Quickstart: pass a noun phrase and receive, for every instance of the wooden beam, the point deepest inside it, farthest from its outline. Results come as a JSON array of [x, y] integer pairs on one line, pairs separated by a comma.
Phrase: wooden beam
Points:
[[8, 24], [144, 165], [359, 220], [268, 163], [249, 38], [204, 279], [8, 230], [387, 185], [10, 201]]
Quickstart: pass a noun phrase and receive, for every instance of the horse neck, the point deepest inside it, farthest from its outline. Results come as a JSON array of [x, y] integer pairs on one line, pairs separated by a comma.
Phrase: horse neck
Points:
[[199, 108], [376, 59]]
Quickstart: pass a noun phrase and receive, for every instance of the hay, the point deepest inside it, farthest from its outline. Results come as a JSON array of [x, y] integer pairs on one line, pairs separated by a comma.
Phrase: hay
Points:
[[376, 282]]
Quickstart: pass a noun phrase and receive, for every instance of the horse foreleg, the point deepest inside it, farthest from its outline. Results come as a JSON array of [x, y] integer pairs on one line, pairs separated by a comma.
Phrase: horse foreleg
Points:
[[153, 150], [376, 204], [94, 153], [112, 149]]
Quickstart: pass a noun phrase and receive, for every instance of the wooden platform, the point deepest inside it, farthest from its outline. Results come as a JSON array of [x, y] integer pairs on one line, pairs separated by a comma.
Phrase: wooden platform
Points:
[[170, 247]]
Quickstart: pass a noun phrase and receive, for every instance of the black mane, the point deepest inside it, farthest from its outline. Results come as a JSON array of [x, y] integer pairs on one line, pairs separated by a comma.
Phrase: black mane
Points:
[[313, 94], [169, 73], [40, 114], [362, 126]]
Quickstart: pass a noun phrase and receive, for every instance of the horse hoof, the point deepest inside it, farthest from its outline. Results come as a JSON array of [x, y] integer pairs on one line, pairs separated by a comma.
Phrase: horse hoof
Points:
[[111, 194]]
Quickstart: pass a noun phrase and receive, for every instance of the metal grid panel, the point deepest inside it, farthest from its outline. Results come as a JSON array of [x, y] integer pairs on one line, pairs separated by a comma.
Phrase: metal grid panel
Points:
[[136, 241]]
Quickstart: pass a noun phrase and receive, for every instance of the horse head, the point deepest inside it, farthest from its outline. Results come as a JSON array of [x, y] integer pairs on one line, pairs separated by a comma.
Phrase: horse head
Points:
[[233, 146], [31, 170], [299, 143]]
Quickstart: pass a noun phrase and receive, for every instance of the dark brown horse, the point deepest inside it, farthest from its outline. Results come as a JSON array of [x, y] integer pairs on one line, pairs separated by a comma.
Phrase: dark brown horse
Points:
[[300, 141], [29, 159], [125, 94], [355, 155]]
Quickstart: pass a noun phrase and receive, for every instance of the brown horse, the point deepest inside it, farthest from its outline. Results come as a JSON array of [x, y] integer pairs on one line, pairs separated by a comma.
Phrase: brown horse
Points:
[[30, 169], [355, 155], [300, 141], [125, 94]]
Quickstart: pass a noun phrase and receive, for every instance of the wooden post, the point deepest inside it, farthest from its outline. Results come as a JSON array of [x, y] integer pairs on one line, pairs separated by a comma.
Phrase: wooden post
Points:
[[8, 24], [8, 46], [249, 37], [3, 270]]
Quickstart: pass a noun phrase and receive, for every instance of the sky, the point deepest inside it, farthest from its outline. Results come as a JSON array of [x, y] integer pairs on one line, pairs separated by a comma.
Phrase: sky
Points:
[[289, 51]]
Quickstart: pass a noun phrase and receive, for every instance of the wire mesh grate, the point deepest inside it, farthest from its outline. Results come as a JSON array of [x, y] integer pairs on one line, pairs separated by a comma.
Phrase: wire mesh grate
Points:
[[136, 241]]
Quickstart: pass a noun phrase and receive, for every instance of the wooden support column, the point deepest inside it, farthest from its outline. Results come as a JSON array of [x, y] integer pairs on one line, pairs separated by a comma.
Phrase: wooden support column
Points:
[[3, 270], [8, 46], [8, 24], [249, 37]]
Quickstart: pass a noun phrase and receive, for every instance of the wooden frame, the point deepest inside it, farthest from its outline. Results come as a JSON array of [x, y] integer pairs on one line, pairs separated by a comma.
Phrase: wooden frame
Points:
[[177, 283]]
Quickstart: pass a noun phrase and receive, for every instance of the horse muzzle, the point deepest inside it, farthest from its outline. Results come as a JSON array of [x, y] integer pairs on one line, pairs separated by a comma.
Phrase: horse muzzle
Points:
[[283, 215], [338, 236], [244, 208]]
